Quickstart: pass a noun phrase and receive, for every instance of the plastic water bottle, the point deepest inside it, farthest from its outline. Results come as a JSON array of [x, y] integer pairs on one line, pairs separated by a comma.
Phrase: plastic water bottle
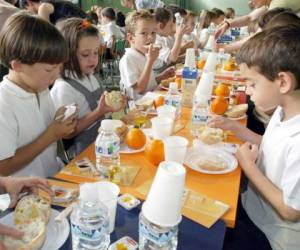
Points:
[[152, 236], [173, 97], [90, 226], [107, 147], [179, 19], [200, 113], [209, 47]]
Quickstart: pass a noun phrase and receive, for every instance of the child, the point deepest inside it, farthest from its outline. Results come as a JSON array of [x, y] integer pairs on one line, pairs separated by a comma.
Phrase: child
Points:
[[270, 63], [33, 50], [137, 76], [229, 13], [111, 32], [78, 83], [165, 28], [189, 36]]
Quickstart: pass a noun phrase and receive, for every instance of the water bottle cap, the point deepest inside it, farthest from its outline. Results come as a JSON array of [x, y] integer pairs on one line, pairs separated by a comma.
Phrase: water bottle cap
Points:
[[107, 125], [173, 86], [177, 15]]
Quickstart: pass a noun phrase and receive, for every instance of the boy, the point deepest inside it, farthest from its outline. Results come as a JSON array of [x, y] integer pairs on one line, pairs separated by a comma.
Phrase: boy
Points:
[[165, 28], [137, 76], [33, 50], [111, 32], [270, 63]]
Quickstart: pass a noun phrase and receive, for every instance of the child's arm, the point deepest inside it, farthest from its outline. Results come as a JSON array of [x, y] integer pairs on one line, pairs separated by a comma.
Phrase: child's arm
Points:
[[237, 128], [167, 73], [246, 156], [175, 51], [144, 78], [24, 155]]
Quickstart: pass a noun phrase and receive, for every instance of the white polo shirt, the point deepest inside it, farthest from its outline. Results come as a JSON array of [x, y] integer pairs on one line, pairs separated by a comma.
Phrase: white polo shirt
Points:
[[63, 93], [279, 160], [131, 67], [22, 120], [109, 30], [165, 50]]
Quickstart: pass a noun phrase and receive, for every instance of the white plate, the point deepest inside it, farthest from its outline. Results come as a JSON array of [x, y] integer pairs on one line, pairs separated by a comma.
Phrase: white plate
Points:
[[193, 153], [57, 232], [124, 149]]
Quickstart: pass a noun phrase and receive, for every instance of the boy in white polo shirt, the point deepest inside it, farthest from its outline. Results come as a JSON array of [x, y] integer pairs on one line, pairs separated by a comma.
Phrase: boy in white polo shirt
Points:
[[33, 50], [137, 75], [270, 63]]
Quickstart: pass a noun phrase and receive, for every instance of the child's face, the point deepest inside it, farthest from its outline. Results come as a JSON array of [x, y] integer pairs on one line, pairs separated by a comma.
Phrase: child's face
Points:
[[190, 22], [37, 77], [88, 53], [165, 29], [264, 93], [104, 19], [145, 34]]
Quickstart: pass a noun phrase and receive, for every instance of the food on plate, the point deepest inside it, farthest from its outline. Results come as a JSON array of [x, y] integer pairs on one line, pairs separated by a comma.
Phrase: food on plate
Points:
[[219, 105], [135, 138], [167, 81], [114, 99], [211, 163], [121, 131], [144, 103], [237, 111], [31, 216], [210, 135]]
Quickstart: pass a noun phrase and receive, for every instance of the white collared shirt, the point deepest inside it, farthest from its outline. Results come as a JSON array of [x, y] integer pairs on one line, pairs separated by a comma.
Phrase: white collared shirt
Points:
[[165, 50], [23, 119], [131, 67], [109, 30], [279, 161]]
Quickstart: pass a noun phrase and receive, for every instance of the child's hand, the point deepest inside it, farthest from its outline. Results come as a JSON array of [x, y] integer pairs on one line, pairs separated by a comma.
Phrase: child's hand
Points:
[[181, 30], [218, 121], [153, 53], [247, 153], [60, 128], [104, 108], [10, 231]]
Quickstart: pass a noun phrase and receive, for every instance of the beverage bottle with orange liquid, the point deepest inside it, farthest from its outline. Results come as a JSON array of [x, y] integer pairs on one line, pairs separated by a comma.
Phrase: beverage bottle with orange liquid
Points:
[[173, 97]]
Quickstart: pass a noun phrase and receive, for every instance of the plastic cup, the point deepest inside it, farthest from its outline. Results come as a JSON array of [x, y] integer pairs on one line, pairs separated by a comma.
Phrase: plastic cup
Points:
[[164, 201], [175, 148], [190, 58], [205, 85], [161, 127], [166, 111], [108, 194], [211, 62]]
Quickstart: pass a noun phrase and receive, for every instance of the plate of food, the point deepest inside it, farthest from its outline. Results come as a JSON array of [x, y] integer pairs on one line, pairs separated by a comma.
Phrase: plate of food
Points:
[[210, 161], [237, 112], [124, 149], [134, 141], [34, 216]]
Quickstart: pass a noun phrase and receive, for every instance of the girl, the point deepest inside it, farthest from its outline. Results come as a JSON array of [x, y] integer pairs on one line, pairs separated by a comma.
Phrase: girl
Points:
[[78, 83]]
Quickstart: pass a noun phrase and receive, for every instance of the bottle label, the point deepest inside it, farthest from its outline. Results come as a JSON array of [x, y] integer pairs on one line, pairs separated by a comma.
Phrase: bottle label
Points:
[[88, 234], [107, 148], [175, 102], [160, 238]]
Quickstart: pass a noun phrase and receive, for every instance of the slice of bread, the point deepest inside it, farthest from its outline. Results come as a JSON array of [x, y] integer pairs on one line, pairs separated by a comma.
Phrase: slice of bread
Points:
[[237, 111], [211, 135], [33, 239], [211, 164], [114, 99]]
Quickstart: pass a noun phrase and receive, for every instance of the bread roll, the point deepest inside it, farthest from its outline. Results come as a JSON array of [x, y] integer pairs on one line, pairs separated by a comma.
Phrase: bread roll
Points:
[[144, 103], [114, 99], [211, 135], [237, 111], [211, 164]]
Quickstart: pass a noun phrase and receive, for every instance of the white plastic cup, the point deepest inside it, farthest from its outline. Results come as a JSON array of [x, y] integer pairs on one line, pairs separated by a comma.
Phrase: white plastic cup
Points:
[[164, 201], [211, 62], [190, 58], [107, 193], [166, 111], [161, 127], [205, 85], [175, 148]]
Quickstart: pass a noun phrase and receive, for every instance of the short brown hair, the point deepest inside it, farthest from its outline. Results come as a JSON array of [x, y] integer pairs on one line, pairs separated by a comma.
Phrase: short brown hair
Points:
[[30, 39], [272, 51], [190, 14], [284, 18], [265, 18], [135, 16], [163, 15], [73, 29], [109, 13]]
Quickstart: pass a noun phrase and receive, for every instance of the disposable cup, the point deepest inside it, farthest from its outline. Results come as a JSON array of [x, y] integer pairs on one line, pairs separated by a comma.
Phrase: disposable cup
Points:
[[166, 111], [106, 192], [161, 127], [164, 201], [205, 85], [211, 62], [175, 148], [190, 58]]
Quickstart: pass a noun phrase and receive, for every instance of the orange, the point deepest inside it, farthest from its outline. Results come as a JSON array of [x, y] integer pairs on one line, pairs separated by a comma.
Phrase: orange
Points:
[[222, 90], [219, 105], [135, 138], [178, 80], [159, 101], [201, 64], [154, 151]]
